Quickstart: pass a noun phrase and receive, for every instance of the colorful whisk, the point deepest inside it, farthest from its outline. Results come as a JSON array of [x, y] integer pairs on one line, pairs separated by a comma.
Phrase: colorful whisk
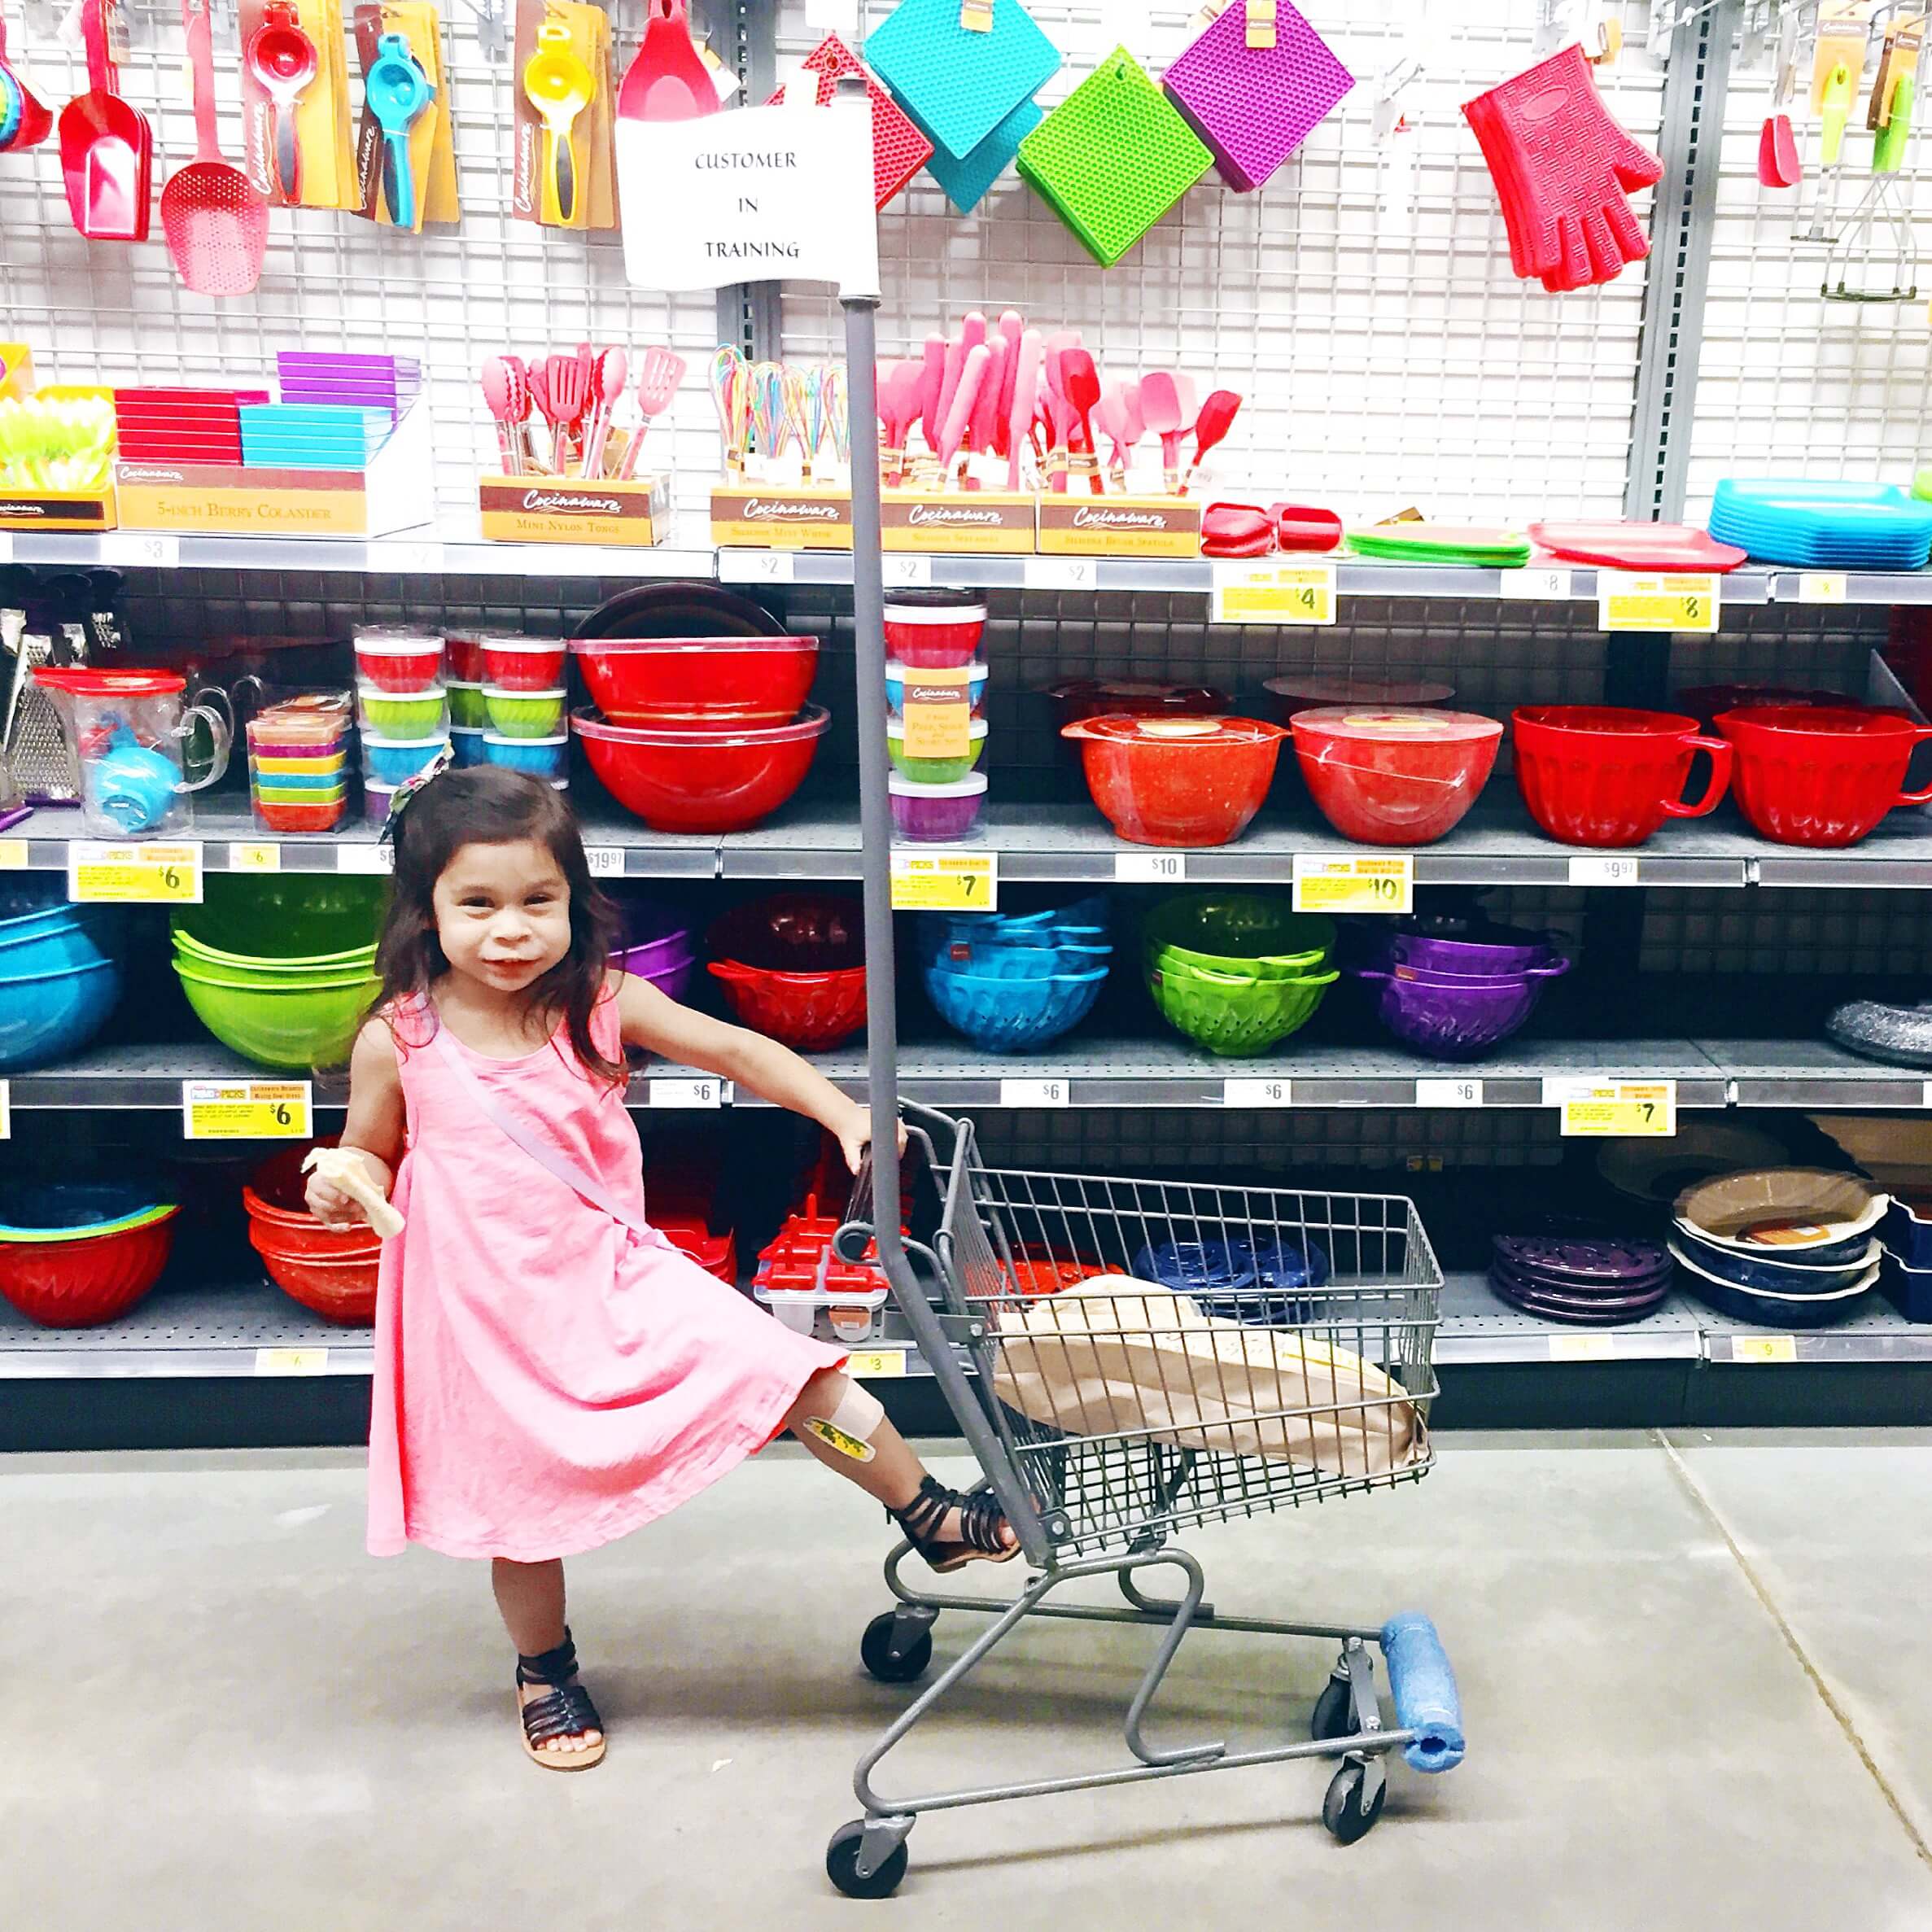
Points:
[[797, 394], [768, 428], [835, 406], [731, 395]]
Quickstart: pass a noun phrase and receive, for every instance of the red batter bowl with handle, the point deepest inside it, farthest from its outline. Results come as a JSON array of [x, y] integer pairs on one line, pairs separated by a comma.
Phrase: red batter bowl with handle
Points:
[[1598, 775], [1820, 775]]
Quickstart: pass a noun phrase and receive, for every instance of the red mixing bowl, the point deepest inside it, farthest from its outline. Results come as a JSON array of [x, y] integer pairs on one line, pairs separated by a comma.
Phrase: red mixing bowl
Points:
[[1395, 777], [1595, 774], [731, 680], [81, 1284], [1177, 781], [699, 780], [807, 1010], [342, 1290], [1813, 774]]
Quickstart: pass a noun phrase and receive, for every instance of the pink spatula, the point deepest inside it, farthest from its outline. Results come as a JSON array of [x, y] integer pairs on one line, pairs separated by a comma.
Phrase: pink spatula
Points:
[[1081, 381], [659, 378], [1167, 408], [1023, 390], [1216, 414], [952, 432]]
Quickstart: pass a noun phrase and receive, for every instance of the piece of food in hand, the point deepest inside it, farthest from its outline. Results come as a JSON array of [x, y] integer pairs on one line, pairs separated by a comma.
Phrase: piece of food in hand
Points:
[[343, 1168]]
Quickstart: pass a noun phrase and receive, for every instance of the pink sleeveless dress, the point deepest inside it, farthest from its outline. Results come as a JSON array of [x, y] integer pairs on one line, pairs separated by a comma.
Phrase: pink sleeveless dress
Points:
[[547, 1380]]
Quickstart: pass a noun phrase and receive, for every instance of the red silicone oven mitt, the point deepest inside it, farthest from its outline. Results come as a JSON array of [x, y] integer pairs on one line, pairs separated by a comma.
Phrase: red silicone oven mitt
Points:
[[1562, 170]]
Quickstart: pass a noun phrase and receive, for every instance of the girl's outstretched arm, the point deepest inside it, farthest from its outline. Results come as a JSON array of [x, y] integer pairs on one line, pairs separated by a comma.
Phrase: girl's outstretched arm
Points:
[[773, 1072], [375, 1128]]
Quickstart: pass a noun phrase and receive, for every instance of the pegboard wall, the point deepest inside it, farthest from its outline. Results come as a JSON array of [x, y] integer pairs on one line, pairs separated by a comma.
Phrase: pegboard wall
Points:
[[1387, 358]]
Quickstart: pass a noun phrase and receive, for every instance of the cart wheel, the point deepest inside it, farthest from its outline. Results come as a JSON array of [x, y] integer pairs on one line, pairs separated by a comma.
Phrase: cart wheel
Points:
[[841, 1865], [875, 1652], [1342, 1811], [1334, 1714]]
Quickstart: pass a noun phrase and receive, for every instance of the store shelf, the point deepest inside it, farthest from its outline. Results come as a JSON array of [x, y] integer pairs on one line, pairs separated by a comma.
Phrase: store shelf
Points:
[[1812, 1073], [1877, 1333], [1496, 844], [1478, 1330]]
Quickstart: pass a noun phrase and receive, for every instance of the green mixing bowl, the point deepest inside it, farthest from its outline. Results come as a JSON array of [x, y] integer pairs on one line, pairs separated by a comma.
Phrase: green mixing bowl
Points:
[[1236, 1014], [418, 715], [1237, 932], [273, 976], [266, 920], [525, 714], [309, 1025], [466, 707]]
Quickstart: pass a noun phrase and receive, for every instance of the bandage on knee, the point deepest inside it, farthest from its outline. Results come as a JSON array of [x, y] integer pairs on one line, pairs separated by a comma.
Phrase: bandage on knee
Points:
[[851, 1426]]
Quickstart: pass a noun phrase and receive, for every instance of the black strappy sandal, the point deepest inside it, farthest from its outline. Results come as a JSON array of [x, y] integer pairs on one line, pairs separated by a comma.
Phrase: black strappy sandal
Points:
[[980, 1521], [566, 1713]]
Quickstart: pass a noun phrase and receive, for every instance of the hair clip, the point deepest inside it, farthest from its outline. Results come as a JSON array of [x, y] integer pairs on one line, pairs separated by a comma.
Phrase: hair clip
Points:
[[406, 794]]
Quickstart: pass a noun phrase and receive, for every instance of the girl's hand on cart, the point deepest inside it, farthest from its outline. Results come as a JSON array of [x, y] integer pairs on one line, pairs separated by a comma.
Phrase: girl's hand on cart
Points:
[[854, 1132]]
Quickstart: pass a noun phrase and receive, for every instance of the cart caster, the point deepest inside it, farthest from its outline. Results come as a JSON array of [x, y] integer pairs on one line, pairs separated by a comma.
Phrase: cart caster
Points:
[[1345, 1811], [1334, 1714], [897, 1647], [842, 1858]]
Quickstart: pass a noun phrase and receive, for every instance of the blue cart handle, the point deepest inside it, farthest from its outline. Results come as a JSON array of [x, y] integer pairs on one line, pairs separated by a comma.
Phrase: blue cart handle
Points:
[[1424, 1689]]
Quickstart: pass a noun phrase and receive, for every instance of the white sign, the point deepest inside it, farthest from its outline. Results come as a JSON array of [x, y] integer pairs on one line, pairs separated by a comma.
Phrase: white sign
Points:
[[1449, 1093], [1033, 1093], [1535, 587], [1595, 869], [1149, 868], [686, 1093], [605, 862], [755, 194], [1060, 573], [1251, 1092]]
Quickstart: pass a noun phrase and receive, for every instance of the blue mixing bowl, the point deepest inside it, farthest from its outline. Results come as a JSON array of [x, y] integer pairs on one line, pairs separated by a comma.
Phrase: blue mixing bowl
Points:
[[1017, 962], [45, 1016], [52, 941], [1010, 1015]]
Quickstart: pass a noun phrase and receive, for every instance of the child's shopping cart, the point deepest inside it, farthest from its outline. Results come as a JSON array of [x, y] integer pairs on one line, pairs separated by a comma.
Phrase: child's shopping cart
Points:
[[1272, 1347]]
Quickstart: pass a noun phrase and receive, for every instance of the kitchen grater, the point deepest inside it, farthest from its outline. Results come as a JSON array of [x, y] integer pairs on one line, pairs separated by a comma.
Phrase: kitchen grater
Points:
[[899, 150], [967, 178], [34, 745], [1254, 105], [961, 85], [1113, 157]]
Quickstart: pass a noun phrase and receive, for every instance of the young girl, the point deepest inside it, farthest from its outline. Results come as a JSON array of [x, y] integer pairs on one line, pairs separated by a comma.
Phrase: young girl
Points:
[[551, 1373]]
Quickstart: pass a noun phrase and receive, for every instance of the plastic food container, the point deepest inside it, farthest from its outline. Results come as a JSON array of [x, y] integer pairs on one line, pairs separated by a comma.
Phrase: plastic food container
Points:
[[466, 742], [724, 680], [272, 817], [467, 708], [807, 1010], [376, 800], [395, 659], [937, 814], [273, 768], [935, 771], [1812, 774], [523, 663], [1177, 781], [682, 780], [545, 756], [934, 630], [525, 714], [972, 677], [1354, 694], [313, 725], [130, 735], [463, 656], [421, 714], [1594, 775], [1076, 698], [1395, 777], [390, 761]]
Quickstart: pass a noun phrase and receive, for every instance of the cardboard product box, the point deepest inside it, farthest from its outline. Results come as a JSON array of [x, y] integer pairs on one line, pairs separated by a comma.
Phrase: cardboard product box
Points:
[[559, 509], [749, 516], [57, 509], [1071, 526], [959, 522]]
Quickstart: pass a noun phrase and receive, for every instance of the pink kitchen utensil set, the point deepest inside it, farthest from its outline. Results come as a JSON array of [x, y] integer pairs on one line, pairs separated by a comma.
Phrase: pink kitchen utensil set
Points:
[[577, 394]]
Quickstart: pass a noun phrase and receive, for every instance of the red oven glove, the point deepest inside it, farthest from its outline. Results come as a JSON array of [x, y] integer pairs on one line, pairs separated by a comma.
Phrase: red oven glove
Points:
[[1563, 168]]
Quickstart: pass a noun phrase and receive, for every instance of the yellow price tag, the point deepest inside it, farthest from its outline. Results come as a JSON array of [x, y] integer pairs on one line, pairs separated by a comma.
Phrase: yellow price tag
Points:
[[1583, 1347], [246, 1110], [876, 1364], [1614, 1109], [945, 881], [1673, 600], [1763, 1348], [13, 854], [1357, 885], [292, 1362], [126, 875], [1261, 593], [254, 859]]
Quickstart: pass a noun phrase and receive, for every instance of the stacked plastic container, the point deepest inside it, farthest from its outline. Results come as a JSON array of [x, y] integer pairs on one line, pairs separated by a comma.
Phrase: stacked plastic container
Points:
[[508, 704], [402, 708], [298, 763], [936, 696]]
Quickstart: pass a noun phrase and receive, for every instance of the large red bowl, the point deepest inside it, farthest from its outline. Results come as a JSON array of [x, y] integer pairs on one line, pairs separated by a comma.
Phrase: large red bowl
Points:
[[276, 1198], [1596, 775], [81, 1284], [342, 1290], [694, 781], [1177, 781], [1815, 774], [808, 1011], [729, 680], [1395, 777]]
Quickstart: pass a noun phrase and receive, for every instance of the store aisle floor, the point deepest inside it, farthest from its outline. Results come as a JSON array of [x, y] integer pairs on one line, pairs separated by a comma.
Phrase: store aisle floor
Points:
[[1696, 1674]]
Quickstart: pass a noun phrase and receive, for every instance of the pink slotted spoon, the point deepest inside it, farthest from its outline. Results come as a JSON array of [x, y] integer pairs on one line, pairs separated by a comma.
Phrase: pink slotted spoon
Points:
[[660, 375]]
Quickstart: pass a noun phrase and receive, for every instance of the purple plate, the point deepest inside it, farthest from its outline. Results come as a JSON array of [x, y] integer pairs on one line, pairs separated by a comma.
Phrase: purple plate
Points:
[[1583, 1261], [1527, 1287], [1594, 1315]]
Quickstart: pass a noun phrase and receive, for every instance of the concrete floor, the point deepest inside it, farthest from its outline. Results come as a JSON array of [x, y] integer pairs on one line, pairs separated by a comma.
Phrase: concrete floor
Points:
[[1696, 1672]]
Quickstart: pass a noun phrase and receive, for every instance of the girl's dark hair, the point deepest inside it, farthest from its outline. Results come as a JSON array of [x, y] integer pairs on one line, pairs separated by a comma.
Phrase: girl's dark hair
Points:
[[490, 805]]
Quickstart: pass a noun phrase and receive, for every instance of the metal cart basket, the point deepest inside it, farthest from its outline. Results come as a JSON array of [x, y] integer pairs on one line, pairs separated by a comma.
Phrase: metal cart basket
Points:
[[1297, 1370]]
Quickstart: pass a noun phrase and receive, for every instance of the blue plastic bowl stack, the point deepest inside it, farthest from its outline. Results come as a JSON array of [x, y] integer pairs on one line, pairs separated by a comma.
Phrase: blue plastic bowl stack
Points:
[[1011, 984], [60, 974], [1823, 526]]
